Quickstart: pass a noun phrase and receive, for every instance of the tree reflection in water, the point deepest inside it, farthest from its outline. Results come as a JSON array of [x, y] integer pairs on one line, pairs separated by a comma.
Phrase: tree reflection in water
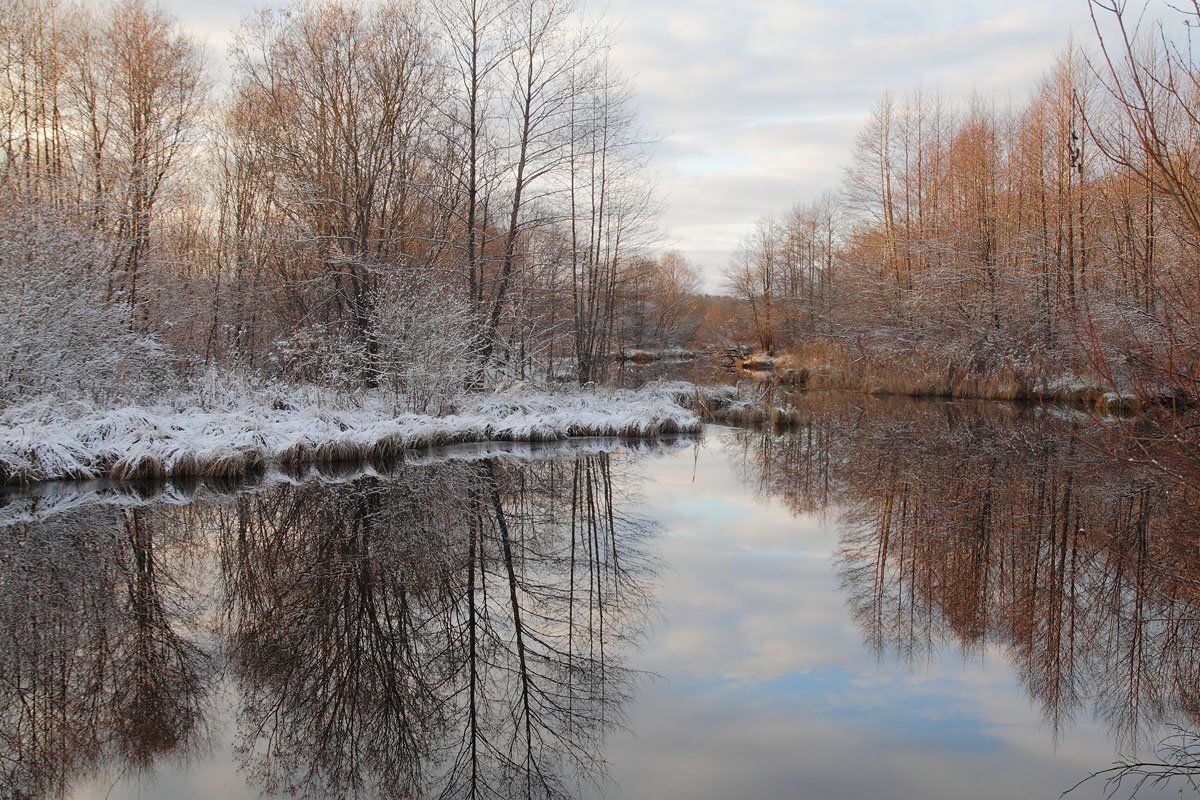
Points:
[[460, 629], [453, 630], [98, 656], [984, 526]]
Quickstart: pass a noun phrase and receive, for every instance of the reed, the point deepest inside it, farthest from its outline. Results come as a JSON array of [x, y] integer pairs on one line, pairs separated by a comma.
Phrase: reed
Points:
[[386, 449], [226, 465], [340, 450], [185, 464], [296, 453], [142, 466]]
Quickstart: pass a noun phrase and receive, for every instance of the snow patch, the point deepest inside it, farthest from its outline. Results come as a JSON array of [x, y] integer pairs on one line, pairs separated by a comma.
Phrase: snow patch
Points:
[[50, 499], [249, 434]]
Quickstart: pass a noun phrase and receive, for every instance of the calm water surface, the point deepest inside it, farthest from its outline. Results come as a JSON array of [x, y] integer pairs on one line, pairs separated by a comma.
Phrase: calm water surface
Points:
[[897, 600]]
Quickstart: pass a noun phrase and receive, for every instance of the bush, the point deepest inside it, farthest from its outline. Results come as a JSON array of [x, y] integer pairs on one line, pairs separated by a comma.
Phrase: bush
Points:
[[58, 334]]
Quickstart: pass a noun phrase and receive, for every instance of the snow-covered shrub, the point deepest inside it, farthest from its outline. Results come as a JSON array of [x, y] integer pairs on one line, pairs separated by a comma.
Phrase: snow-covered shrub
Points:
[[424, 343], [328, 355], [58, 335], [418, 347]]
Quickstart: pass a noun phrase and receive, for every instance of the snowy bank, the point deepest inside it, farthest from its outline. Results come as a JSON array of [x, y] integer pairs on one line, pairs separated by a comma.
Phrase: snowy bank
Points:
[[44, 442], [46, 500]]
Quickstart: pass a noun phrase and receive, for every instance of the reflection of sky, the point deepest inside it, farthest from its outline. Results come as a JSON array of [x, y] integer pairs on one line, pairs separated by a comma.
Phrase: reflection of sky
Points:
[[206, 775], [768, 691]]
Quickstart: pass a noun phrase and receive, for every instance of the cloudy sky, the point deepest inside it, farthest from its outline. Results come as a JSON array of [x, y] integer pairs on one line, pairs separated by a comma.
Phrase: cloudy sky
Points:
[[756, 102], [760, 100]]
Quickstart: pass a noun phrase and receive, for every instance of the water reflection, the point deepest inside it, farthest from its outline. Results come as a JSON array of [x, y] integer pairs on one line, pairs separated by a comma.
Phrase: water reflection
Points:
[[453, 629], [978, 527], [461, 627], [99, 661]]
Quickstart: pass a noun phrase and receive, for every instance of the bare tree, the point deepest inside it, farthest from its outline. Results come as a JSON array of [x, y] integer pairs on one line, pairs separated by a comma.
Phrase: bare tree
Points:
[[341, 97], [152, 73]]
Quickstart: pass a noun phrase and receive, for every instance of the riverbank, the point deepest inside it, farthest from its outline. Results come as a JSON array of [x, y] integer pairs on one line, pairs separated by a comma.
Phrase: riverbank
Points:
[[47, 499], [238, 433], [246, 434], [949, 383]]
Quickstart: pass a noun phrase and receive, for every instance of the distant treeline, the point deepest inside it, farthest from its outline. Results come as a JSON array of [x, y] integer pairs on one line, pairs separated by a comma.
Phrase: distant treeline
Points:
[[978, 248]]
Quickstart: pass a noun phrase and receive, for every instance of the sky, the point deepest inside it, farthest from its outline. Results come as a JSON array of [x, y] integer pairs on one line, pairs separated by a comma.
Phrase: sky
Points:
[[754, 105]]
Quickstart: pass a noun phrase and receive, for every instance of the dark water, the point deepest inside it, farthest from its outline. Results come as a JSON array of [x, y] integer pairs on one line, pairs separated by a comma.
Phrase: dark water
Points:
[[896, 600]]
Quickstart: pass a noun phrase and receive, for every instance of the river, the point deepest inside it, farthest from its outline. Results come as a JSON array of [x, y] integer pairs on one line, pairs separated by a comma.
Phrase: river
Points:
[[893, 599]]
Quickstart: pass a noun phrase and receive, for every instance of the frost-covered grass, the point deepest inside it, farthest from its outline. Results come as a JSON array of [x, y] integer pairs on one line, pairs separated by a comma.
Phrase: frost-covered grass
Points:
[[640, 356], [45, 500], [231, 435]]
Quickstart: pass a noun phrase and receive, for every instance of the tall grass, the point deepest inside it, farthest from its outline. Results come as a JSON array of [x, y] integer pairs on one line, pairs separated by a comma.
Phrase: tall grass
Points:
[[47, 443]]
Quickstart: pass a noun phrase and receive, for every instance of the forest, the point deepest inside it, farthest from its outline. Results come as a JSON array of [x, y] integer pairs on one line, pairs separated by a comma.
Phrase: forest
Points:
[[419, 197], [1018, 249], [423, 202]]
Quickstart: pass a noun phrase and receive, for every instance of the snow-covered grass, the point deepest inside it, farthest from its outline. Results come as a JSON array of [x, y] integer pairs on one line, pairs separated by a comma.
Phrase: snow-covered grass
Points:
[[45, 500], [640, 356], [235, 434]]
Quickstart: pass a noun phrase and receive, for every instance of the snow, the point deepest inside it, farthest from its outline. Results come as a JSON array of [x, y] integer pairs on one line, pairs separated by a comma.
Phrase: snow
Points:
[[249, 433], [1065, 384], [46, 500]]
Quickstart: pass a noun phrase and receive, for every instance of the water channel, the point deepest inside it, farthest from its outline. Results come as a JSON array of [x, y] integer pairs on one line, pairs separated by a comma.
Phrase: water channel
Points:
[[893, 599]]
